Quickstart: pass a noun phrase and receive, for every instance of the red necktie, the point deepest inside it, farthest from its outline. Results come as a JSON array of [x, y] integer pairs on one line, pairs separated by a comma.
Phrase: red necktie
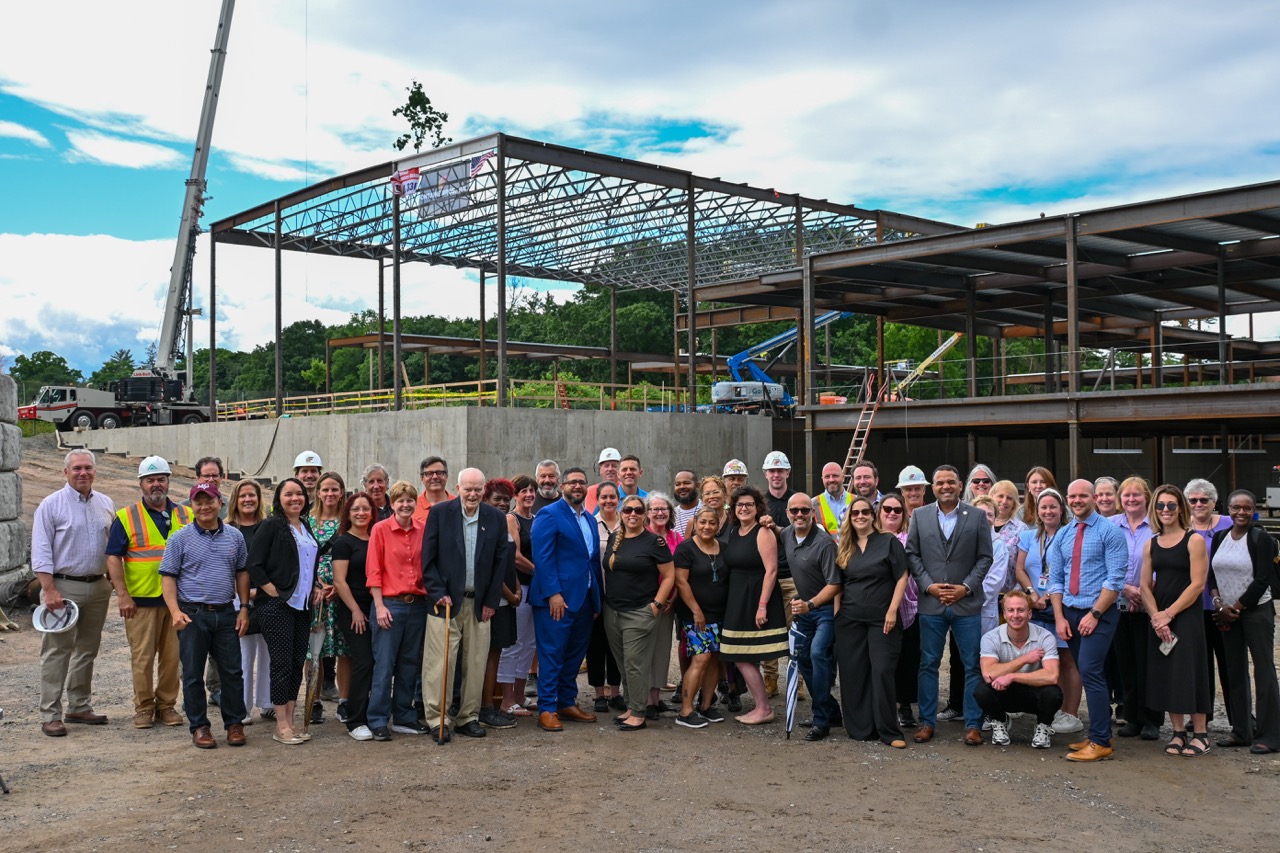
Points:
[[1075, 559]]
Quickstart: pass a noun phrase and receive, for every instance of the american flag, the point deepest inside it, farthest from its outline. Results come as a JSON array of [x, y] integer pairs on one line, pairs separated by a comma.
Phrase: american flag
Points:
[[477, 163]]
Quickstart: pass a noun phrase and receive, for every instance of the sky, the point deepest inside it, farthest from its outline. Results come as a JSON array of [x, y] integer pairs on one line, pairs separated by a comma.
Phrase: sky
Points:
[[965, 112]]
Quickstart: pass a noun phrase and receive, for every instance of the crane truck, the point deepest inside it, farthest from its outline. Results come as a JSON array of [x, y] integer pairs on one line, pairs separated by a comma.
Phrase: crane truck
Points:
[[154, 395], [760, 393]]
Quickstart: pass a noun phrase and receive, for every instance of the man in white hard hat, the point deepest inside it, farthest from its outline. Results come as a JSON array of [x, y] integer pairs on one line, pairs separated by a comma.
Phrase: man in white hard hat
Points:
[[306, 467], [68, 535], [607, 467], [777, 471], [134, 549], [735, 477], [912, 483]]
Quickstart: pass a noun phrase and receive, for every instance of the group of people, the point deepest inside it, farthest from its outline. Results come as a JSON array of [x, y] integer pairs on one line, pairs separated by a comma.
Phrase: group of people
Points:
[[442, 610]]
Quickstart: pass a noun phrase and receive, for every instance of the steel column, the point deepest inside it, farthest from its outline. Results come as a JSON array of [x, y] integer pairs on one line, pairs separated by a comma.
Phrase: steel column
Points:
[[1073, 313], [1050, 368], [213, 330], [971, 339], [279, 366], [805, 370], [502, 271], [691, 247], [483, 373], [1157, 352], [613, 344], [1222, 322], [382, 323], [397, 383]]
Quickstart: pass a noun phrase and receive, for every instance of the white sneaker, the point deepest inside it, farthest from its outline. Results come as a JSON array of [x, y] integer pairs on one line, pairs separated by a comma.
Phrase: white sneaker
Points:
[[1040, 740], [947, 715], [999, 733], [1065, 724], [361, 733]]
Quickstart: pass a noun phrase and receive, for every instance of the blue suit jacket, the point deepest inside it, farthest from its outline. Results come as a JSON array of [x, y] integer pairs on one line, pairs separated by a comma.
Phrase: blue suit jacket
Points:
[[564, 564]]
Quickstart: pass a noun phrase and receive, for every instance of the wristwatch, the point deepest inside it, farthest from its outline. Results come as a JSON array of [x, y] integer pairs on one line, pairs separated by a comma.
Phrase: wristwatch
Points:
[[812, 606], [1029, 590], [1096, 613]]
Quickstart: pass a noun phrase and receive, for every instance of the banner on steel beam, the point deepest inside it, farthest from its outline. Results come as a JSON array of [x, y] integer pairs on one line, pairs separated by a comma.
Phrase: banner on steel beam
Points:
[[435, 192]]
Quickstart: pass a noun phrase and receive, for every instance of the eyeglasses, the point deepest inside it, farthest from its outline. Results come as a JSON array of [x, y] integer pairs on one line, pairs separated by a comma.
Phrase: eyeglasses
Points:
[[800, 510], [1161, 506], [859, 513], [980, 481], [632, 510], [662, 510], [574, 483], [1237, 508], [1199, 501], [435, 474], [744, 506], [892, 510]]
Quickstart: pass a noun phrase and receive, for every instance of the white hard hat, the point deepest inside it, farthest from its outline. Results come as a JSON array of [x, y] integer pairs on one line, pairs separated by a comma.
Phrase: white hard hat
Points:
[[735, 468], [777, 459], [153, 465], [48, 621], [609, 454], [911, 476], [307, 459]]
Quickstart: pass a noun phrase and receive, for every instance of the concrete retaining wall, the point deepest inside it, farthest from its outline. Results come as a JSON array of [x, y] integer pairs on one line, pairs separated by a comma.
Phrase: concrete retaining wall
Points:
[[14, 548], [501, 442]]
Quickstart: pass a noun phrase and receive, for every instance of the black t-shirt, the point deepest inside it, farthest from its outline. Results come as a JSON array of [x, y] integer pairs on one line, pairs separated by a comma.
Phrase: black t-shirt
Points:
[[354, 550], [708, 579], [870, 577], [631, 577]]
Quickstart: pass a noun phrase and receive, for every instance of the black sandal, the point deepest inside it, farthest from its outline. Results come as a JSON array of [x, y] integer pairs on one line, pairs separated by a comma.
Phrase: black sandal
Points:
[[1193, 749], [1176, 744]]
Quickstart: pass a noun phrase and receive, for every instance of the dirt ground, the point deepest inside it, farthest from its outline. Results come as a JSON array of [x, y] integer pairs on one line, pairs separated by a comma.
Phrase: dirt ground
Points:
[[726, 787]]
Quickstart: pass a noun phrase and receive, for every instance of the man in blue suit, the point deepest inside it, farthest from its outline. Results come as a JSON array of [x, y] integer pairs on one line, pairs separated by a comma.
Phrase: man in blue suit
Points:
[[565, 596]]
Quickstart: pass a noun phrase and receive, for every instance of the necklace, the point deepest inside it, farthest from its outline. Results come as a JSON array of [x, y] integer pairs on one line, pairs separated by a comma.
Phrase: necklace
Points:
[[711, 558]]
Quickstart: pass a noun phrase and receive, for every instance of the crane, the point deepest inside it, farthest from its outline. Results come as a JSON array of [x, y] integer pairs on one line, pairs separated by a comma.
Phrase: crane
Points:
[[177, 309], [760, 389]]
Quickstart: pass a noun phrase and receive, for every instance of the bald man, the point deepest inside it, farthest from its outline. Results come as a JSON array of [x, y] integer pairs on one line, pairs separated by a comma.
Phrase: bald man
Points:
[[831, 505]]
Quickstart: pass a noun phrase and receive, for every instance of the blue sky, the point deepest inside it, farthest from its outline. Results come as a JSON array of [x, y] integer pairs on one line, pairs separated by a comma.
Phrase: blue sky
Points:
[[964, 112]]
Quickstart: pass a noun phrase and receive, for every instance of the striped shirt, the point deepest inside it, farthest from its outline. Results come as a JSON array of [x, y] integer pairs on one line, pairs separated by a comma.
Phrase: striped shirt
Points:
[[1104, 558], [205, 562], [69, 533]]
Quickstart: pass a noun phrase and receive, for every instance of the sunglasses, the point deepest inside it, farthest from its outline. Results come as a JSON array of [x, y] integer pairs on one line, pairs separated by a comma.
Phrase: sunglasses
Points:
[[1198, 501], [980, 481], [892, 510], [1161, 506], [632, 510], [800, 510], [859, 513]]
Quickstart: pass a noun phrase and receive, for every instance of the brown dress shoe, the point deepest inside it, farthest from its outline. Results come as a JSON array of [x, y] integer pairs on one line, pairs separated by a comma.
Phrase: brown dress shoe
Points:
[[169, 717], [924, 734], [54, 728], [1091, 752], [550, 722], [1078, 745], [973, 737], [235, 734], [576, 715], [86, 718], [203, 739]]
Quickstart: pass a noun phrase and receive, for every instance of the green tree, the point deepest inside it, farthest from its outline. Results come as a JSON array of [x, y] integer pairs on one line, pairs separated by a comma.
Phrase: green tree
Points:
[[44, 368], [119, 366], [424, 120]]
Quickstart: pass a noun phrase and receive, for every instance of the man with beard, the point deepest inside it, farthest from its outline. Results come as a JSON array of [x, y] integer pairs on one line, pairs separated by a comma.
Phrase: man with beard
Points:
[[135, 547], [685, 490], [866, 482], [547, 476]]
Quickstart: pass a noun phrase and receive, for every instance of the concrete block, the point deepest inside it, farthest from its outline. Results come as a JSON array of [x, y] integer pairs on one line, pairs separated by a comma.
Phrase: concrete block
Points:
[[10, 447], [8, 399], [10, 495], [13, 544]]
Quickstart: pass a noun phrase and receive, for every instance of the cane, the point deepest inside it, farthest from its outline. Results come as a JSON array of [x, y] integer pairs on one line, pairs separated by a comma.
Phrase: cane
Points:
[[444, 683]]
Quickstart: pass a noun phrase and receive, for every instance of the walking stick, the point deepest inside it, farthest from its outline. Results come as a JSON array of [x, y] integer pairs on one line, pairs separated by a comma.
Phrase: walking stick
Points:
[[444, 683]]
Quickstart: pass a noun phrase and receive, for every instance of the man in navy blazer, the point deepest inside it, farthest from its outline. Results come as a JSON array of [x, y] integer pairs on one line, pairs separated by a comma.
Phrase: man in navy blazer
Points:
[[949, 553], [464, 559], [565, 596]]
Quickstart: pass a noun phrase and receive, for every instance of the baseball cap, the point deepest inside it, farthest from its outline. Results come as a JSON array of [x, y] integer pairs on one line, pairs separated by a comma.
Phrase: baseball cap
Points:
[[205, 488], [777, 459], [911, 476], [735, 468]]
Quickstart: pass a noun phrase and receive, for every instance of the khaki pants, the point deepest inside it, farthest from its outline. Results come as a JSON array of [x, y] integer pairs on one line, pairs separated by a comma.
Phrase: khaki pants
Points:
[[151, 636], [469, 634], [631, 636], [788, 588], [66, 659]]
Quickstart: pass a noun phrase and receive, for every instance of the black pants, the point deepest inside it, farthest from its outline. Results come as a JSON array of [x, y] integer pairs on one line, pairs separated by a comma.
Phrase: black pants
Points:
[[867, 659], [361, 646], [602, 667], [285, 631], [1216, 648], [907, 676], [210, 638], [1253, 636], [1044, 702], [1132, 644]]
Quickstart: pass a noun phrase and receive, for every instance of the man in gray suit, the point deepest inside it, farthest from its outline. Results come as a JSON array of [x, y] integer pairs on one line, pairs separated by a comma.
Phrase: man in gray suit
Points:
[[949, 552]]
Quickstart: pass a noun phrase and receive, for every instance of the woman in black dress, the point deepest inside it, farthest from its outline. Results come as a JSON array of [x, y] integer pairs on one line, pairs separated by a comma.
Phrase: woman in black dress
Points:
[[1175, 564], [638, 578], [513, 666], [755, 627], [351, 609], [703, 583], [868, 635]]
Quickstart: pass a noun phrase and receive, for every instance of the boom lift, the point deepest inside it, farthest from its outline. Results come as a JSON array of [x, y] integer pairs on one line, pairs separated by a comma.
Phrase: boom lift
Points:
[[760, 392]]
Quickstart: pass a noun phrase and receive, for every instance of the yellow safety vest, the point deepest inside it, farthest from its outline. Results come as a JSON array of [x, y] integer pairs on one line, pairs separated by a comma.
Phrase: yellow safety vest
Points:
[[146, 547], [829, 520]]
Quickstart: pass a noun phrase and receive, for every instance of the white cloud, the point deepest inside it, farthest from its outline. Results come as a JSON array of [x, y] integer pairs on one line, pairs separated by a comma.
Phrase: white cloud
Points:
[[13, 130], [114, 151]]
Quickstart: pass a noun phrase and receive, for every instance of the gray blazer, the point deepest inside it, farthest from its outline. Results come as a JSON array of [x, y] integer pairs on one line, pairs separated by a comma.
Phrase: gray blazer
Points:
[[964, 559]]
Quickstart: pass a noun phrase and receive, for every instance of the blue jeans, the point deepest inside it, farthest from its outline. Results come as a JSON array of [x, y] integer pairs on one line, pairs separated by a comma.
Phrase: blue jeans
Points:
[[1091, 659], [397, 654], [933, 638], [211, 635], [814, 652]]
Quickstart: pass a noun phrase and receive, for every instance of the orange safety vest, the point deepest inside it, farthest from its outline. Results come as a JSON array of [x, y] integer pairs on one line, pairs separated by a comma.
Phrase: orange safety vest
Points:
[[146, 547], [829, 520]]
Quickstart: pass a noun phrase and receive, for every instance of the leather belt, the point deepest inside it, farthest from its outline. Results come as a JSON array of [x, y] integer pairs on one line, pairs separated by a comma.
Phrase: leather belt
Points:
[[407, 599], [215, 608], [80, 578]]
